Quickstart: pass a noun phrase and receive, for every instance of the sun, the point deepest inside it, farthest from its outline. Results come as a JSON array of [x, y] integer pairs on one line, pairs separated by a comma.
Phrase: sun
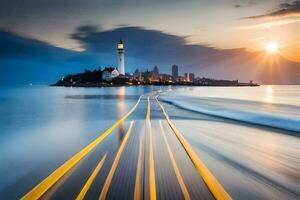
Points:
[[271, 47]]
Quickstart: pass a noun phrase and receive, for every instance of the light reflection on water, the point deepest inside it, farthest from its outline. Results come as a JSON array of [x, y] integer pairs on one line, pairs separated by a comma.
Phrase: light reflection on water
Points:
[[269, 94], [51, 124], [263, 163], [251, 150], [274, 106], [287, 94], [121, 111]]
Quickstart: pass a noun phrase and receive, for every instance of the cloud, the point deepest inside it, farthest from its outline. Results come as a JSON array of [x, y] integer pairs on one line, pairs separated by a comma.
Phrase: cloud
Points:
[[257, 39], [268, 25], [18, 46], [27, 60], [237, 6], [283, 10], [145, 46]]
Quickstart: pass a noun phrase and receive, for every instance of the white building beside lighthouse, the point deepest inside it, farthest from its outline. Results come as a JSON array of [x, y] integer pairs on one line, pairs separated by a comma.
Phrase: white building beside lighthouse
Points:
[[121, 63]]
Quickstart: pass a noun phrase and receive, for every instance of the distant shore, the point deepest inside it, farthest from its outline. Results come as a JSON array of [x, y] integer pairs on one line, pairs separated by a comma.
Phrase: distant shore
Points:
[[103, 84], [109, 77]]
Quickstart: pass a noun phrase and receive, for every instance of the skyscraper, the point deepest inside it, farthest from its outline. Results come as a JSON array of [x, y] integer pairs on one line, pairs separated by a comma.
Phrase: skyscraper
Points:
[[155, 74], [175, 72], [156, 70], [186, 77], [121, 64], [191, 77]]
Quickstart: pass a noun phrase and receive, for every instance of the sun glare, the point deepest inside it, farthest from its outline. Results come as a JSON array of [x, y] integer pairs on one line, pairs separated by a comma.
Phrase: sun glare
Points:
[[271, 47]]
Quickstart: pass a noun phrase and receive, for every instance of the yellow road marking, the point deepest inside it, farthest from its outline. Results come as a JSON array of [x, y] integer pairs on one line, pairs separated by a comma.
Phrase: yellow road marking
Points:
[[91, 179], [42, 187], [151, 157], [212, 183], [175, 167], [148, 110], [137, 189], [115, 164]]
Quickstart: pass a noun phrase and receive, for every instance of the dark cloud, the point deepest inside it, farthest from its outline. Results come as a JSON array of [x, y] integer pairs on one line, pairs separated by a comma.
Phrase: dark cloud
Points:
[[88, 28], [27, 60], [237, 6], [17, 46], [147, 46], [283, 10], [291, 6], [122, 25]]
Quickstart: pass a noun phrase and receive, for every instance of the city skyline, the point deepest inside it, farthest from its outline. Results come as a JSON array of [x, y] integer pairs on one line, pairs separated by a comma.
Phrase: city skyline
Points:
[[121, 70]]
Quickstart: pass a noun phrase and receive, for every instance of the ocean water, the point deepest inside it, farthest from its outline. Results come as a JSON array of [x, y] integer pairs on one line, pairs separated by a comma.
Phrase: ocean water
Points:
[[42, 126], [247, 136], [274, 106]]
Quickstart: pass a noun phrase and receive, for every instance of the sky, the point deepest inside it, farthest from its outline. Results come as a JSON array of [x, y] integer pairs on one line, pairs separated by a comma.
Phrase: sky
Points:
[[216, 24]]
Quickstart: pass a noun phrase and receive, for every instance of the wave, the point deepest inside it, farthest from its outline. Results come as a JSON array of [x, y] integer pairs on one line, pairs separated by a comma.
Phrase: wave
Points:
[[258, 114]]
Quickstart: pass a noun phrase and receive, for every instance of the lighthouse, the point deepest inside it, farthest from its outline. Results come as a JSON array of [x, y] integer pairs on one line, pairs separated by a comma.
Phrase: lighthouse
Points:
[[121, 64]]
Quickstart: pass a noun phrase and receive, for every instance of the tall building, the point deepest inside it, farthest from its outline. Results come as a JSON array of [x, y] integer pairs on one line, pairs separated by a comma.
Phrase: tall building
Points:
[[155, 74], [186, 77], [175, 72], [147, 76], [121, 63], [191, 77], [156, 70]]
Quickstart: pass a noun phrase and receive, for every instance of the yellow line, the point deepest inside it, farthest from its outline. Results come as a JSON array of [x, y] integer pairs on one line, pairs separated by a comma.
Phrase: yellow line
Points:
[[91, 179], [177, 172], [151, 157], [42, 187], [148, 110], [212, 183], [115, 164], [137, 189]]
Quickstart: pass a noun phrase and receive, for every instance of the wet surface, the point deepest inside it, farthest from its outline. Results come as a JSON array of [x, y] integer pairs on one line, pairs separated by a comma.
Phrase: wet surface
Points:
[[250, 161], [123, 182]]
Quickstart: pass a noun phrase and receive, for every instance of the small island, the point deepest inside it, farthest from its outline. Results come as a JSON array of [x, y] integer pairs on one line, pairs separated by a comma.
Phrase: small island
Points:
[[111, 76]]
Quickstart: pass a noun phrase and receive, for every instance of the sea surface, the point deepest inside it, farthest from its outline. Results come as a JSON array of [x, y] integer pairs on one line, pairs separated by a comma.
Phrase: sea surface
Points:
[[249, 137], [274, 106]]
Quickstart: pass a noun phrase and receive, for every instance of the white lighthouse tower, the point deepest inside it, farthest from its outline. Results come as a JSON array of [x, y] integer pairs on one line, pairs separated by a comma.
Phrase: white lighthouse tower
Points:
[[121, 64]]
